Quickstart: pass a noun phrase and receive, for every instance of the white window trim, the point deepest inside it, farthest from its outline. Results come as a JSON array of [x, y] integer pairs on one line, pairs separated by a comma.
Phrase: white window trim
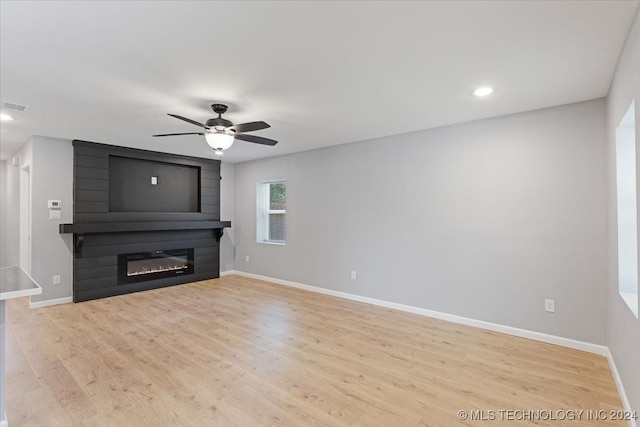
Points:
[[263, 212], [627, 208]]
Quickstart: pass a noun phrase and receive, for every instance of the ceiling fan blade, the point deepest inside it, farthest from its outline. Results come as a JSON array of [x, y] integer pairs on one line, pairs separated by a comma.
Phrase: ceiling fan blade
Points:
[[256, 139], [173, 134], [249, 127], [193, 122]]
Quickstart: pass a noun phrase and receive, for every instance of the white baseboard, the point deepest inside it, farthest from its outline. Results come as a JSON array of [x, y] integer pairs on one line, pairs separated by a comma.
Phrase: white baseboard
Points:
[[49, 302], [523, 333], [623, 394], [228, 273], [3, 421]]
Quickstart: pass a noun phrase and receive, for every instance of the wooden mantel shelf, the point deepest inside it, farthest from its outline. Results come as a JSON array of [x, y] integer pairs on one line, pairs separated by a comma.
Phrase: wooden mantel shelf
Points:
[[79, 230]]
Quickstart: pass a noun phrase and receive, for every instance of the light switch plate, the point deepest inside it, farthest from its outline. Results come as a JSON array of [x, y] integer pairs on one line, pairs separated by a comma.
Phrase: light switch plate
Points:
[[55, 214]]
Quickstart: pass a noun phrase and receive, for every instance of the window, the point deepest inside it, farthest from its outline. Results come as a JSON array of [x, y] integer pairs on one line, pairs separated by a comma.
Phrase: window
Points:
[[627, 210], [271, 212]]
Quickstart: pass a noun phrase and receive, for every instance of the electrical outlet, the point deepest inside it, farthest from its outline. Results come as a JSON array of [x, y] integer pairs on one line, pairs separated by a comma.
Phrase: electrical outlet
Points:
[[550, 305], [353, 275], [246, 258], [56, 279]]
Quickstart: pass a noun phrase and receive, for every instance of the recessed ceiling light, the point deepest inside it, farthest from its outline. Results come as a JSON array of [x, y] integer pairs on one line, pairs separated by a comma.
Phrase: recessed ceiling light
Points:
[[5, 117], [483, 91]]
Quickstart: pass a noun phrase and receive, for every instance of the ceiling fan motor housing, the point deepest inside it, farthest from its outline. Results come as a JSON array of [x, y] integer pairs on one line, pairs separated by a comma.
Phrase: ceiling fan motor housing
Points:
[[218, 122]]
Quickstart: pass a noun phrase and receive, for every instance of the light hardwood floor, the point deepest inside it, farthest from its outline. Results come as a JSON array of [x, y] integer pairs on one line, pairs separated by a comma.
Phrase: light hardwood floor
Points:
[[242, 352]]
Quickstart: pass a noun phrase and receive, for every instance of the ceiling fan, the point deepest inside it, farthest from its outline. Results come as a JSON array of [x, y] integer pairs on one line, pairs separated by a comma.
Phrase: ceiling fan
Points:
[[220, 133]]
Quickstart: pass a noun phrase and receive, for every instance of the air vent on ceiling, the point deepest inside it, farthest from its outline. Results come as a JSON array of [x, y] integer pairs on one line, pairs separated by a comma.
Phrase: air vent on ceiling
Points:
[[12, 107]]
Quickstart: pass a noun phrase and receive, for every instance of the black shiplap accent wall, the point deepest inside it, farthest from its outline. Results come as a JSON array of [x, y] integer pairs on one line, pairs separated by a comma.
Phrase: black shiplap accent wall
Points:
[[96, 264]]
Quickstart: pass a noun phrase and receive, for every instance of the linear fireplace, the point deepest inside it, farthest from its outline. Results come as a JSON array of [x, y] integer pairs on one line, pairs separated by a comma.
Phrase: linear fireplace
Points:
[[153, 265]]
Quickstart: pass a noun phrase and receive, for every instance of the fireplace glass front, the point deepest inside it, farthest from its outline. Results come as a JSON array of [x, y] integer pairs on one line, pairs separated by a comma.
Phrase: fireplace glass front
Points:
[[153, 265]]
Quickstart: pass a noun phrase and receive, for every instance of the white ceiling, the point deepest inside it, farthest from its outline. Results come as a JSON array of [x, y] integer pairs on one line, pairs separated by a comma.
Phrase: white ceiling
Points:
[[320, 73]]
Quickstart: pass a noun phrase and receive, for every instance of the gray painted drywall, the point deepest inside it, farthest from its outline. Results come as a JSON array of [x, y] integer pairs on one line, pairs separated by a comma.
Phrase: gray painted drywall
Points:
[[52, 179], [484, 219], [623, 328], [227, 207]]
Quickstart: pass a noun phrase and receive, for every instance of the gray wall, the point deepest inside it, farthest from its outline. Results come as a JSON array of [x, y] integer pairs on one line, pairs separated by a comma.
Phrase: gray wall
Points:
[[623, 334], [227, 210], [52, 179], [483, 219]]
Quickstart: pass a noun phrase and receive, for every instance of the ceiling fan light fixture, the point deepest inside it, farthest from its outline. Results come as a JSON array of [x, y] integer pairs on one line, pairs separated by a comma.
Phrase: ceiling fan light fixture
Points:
[[219, 141], [220, 133]]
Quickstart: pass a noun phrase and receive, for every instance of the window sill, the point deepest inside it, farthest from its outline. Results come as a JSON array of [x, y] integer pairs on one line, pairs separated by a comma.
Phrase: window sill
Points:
[[631, 299], [267, 242]]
